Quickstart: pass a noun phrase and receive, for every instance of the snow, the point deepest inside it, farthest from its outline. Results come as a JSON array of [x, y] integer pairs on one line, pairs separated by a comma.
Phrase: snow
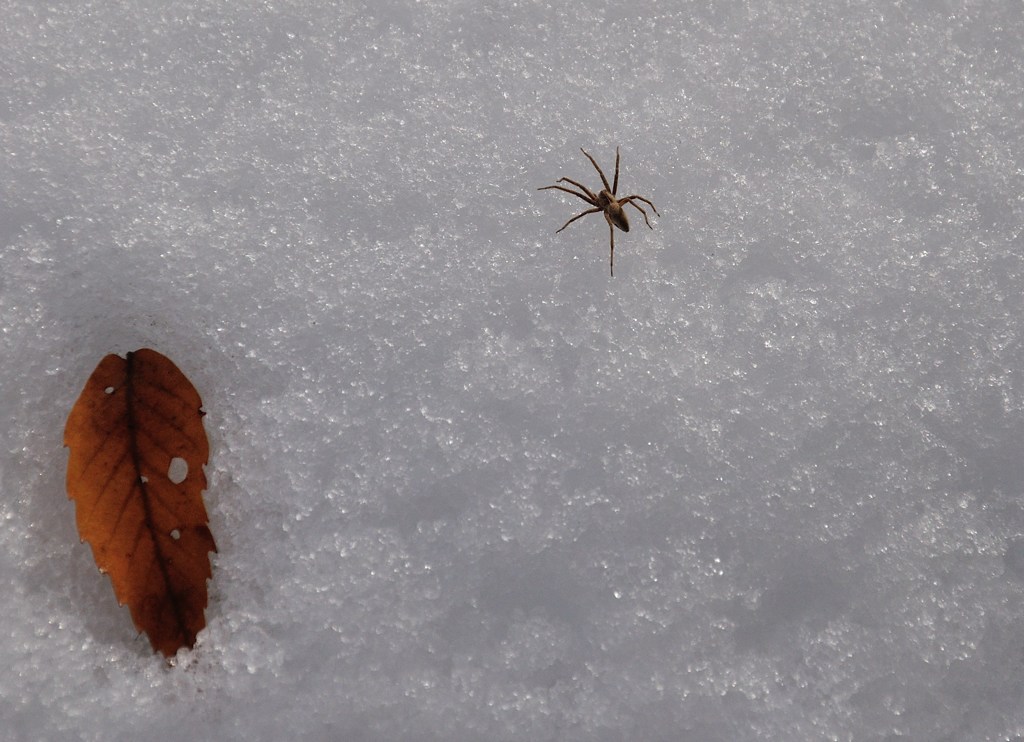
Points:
[[765, 483]]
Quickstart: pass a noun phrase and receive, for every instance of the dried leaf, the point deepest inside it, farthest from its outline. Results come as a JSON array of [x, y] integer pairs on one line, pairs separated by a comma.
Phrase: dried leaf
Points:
[[136, 475]]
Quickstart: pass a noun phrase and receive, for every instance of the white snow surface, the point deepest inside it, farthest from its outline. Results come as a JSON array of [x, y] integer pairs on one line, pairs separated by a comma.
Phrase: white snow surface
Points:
[[764, 484]]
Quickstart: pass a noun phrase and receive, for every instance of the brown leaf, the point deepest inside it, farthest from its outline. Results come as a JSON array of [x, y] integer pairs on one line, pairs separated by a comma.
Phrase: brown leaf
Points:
[[138, 419]]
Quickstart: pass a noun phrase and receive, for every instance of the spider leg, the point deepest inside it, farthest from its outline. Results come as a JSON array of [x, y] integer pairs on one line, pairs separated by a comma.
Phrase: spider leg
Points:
[[640, 198], [588, 211], [615, 183], [589, 200], [599, 171], [611, 254], [641, 208], [581, 187]]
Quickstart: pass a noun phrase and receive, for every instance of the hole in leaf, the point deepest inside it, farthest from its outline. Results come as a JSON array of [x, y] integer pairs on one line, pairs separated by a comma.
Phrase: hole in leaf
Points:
[[143, 478], [178, 470], [109, 390], [175, 534]]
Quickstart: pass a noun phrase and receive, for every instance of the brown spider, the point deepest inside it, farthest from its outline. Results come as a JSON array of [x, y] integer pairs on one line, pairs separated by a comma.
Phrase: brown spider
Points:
[[605, 201]]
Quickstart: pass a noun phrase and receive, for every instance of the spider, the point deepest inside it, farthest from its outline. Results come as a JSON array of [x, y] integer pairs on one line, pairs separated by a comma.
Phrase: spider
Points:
[[605, 201]]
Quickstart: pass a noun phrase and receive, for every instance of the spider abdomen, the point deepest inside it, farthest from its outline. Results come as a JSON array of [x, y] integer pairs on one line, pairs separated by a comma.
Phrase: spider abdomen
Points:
[[617, 216]]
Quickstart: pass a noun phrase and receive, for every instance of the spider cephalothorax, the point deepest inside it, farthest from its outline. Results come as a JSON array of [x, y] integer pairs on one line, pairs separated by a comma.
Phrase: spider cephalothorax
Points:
[[605, 201]]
